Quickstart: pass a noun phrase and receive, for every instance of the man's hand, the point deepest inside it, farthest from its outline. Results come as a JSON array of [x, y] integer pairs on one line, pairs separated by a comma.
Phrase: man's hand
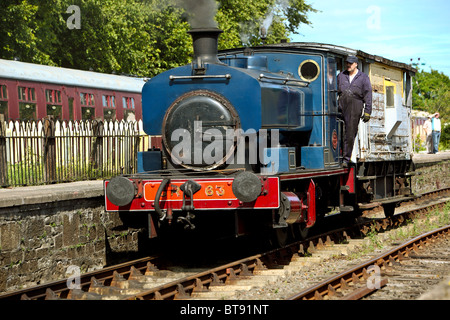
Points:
[[366, 117]]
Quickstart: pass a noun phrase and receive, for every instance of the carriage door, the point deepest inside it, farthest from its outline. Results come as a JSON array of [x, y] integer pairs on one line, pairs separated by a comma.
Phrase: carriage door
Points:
[[71, 109], [68, 99]]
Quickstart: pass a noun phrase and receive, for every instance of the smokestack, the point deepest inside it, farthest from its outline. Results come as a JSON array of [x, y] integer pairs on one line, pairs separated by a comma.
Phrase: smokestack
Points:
[[205, 45]]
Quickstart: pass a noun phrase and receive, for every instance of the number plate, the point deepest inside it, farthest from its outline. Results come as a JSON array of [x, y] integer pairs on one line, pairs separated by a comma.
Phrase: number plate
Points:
[[213, 194]]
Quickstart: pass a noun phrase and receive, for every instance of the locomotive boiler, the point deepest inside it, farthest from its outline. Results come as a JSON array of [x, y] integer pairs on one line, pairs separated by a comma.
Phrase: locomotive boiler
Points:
[[251, 142]]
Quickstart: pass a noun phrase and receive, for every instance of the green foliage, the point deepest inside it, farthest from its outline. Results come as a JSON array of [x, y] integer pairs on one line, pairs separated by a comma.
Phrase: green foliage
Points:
[[18, 36], [419, 145], [139, 37], [444, 142], [241, 20], [431, 93]]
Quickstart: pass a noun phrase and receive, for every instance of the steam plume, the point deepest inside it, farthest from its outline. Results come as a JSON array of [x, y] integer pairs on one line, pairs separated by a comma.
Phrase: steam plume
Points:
[[201, 13]]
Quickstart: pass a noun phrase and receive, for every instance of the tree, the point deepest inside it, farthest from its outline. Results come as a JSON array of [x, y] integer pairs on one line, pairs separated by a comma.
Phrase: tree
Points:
[[432, 93], [18, 38], [125, 37], [139, 37], [242, 20]]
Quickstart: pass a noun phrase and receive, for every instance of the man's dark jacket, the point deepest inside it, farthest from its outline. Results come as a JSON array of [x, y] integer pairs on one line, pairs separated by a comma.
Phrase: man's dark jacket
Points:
[[359, 92], [353, 98]]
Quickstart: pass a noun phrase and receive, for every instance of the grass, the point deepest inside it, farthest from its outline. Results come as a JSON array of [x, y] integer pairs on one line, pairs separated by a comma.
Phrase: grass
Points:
[[434, 219]]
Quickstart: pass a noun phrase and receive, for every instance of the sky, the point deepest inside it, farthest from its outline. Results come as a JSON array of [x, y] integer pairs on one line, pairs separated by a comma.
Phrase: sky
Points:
[[394, 29]]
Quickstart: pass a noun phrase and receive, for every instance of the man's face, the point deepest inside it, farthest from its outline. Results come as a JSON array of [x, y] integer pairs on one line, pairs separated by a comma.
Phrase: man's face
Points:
[[351, 66]]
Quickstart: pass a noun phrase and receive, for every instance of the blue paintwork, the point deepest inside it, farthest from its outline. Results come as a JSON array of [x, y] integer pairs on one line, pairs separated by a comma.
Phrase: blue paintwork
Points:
[[289, 63], [242, 90], [320, 111], [148, 161], [279, 160], [270, 104], [313, 157]]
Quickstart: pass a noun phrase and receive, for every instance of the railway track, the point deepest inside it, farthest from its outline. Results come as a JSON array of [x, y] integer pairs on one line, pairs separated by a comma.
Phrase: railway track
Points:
[[411, 277], [259, 270], [359, 282], [61, 289], [142, 280]]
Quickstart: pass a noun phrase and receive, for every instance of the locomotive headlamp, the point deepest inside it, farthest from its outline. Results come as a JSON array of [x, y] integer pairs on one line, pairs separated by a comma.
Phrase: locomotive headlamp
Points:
[[120, 191], [192, 123]]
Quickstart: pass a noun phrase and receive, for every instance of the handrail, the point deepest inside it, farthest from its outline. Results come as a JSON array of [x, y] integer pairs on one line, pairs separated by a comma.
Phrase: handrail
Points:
[[285, 80], [218, 76]]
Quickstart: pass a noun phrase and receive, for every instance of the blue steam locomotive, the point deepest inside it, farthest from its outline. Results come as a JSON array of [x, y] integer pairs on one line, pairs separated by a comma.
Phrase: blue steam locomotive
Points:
[[251, 141]]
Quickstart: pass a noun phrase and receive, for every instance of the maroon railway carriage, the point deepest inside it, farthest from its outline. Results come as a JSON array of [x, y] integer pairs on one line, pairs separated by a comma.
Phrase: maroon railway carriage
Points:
[[31, 91]]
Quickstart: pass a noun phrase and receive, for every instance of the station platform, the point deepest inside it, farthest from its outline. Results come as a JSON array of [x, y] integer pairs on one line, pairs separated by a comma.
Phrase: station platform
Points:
[[18, 196], [431, 158], [10, 197]]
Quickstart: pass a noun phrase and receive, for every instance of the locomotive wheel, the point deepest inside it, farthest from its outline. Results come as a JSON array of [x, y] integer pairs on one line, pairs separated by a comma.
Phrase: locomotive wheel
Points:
[[300, 231], [280, 237]]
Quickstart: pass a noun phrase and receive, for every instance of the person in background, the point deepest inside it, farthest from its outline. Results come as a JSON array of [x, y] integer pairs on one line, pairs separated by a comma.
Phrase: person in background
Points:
[[428, 134], [436, 129]]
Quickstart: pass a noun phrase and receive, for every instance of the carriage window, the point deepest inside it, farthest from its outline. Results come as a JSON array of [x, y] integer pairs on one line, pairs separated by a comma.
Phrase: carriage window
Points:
[[3, 92], [53, 96], [109, 101], [390, 96], [339, 67], [4, 109], [389, 93], [128, 112], [54, 106], [332, 84], [55, 111], [109, 114], [87, 113], [129, 115], [3, 102], [87, 99], [27, 109], [27, 94], [128, 103]]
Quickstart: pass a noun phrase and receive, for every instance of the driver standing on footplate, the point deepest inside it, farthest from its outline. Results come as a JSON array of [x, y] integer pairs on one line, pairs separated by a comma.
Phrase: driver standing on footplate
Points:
[[355, 95]]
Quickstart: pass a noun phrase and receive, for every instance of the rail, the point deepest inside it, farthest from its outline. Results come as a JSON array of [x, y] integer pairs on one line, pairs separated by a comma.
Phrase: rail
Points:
[[60, 287], [360, 273], [183, 288]]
